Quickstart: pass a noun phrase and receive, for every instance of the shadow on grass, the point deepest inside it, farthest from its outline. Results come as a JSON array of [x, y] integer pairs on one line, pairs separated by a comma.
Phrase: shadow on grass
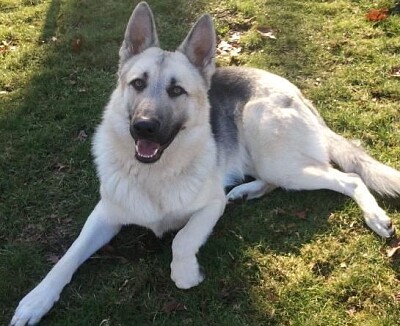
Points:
[[51, 187]]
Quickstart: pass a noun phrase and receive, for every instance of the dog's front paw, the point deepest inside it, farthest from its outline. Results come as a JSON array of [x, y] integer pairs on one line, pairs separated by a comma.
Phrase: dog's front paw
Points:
[[34, 306], [186, 273]]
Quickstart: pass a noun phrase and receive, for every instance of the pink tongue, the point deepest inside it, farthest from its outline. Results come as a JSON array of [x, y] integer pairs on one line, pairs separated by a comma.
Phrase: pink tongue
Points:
[[146, 148]]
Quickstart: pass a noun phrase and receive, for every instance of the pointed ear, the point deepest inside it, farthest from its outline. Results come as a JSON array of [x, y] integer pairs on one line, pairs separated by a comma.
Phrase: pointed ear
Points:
[[140, 33], [199, 46]]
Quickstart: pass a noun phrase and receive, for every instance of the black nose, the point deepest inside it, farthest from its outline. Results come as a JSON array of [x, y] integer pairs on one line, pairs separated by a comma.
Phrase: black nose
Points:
[[145, 127]]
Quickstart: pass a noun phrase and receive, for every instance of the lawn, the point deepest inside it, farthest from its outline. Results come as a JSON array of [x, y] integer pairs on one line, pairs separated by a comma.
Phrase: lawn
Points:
[[291, 258]]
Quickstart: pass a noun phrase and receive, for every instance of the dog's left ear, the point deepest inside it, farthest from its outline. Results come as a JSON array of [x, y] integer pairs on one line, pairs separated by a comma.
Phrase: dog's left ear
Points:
[[199, 46], [140, 33]]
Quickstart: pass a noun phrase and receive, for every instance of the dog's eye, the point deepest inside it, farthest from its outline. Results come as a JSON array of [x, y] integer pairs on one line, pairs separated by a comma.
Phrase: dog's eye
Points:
[[175, 91], [138, 84]]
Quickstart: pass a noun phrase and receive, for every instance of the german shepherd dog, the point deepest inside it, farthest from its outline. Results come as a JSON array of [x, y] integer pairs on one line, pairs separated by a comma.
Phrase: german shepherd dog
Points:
[[177, 130]]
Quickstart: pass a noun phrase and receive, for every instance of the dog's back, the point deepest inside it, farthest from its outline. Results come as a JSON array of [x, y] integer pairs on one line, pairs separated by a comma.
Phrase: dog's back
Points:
[[265, 128]]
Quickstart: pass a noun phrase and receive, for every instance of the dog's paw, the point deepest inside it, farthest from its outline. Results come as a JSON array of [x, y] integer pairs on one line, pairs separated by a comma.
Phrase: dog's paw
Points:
[[186, 273], [250, 190], [34, 306], [237, 196], [380, 223]]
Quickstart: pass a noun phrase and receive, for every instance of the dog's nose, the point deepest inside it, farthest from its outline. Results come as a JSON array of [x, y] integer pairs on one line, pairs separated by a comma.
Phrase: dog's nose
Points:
[[146, 127]]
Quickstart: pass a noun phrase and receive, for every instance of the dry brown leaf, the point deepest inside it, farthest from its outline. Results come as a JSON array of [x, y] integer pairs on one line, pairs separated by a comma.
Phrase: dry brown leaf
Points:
[[59, 167], [173, 306], [76, 44], [352, 311], [266, 32], [395, 72], [82, 136], [7, 46], [108, 250], [301, 214], [279, 211], [53, 258], [393, 249], [376, 15]]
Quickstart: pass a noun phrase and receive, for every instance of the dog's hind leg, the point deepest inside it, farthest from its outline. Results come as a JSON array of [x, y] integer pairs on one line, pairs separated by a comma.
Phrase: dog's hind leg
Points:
[[350, 184], [96, 232], [249, 190]]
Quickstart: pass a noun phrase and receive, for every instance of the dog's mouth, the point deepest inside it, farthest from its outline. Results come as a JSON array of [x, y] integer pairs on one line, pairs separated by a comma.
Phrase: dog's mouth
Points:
[[150, 151]]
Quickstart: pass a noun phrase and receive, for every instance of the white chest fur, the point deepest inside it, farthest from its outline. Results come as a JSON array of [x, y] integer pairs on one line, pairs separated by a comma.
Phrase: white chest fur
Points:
[[161, 195]]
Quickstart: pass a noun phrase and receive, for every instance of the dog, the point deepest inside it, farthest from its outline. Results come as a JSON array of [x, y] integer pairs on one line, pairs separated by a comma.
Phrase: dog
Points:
[[177, 130]]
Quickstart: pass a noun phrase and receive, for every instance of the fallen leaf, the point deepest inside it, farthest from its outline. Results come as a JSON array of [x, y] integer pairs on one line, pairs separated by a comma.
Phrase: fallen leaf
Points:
[[52, 258], [224, 293], [82, 136], [226, 49], [393, 249], [352, 311], [266, 32], [301, 214], [188, 321], [230, 47], [173, 306], [235, 37], [77, 44], [395, 72], [279, 211], [59, 167], [7, 46], [376, 15], [107, 250]]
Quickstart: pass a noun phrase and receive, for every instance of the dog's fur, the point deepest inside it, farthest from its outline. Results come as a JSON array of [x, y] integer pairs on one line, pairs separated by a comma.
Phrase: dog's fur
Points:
[[176, 131]]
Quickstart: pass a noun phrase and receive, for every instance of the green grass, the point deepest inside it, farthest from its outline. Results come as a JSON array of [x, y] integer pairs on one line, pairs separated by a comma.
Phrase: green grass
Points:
[[264, 264]]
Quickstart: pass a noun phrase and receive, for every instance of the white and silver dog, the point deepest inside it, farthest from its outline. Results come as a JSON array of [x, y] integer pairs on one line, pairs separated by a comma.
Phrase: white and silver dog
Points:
[[177, 130]]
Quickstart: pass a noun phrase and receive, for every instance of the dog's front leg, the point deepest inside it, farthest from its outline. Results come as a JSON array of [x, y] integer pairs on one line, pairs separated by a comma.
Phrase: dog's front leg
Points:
[[185, 270], [96, 232]]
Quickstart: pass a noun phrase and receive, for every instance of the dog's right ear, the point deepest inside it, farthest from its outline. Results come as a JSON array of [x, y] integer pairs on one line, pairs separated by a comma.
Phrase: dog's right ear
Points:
[[140, 33]]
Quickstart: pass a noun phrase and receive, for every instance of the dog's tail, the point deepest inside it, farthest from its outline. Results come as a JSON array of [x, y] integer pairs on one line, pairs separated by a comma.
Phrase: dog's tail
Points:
[[377, 176]]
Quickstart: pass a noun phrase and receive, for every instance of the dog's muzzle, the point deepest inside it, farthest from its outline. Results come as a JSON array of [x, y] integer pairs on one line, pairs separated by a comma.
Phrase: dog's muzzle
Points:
[[149, 141]]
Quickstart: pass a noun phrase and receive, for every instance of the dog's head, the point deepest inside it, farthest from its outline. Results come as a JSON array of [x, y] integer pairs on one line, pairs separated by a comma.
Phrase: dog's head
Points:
[[165, 92]]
